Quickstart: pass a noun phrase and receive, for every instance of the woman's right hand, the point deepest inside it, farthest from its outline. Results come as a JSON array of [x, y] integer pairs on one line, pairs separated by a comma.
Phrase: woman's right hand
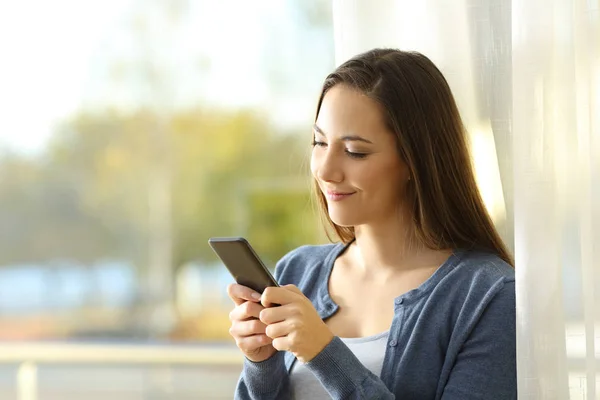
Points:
[[247, 330]]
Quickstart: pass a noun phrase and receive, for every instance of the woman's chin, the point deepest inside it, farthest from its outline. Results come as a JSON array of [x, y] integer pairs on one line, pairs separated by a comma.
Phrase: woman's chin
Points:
[[343, 220]]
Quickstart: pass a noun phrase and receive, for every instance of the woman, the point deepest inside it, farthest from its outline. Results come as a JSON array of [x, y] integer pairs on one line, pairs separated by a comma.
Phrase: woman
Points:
[[417, 301]]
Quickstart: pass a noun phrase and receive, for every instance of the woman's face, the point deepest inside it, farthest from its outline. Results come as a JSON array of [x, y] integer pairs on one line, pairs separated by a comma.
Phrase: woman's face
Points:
[[355, 160]]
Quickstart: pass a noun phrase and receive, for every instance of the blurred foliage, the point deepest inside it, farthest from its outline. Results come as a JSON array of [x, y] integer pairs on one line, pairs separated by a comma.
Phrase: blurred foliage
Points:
[[86, 198], [92, 195], [292, 221]]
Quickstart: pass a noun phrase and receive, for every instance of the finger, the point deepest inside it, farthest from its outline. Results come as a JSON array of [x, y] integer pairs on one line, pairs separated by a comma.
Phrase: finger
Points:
[[251, 343], [272, 315], [247, 328], [245, 311], [281, 343], [278, 295], [239, 293], [278, 330], [294, 289]]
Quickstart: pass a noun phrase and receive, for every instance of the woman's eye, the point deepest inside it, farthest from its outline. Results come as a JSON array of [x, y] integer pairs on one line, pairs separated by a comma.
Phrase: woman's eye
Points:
[[351, 154], [356, 155]]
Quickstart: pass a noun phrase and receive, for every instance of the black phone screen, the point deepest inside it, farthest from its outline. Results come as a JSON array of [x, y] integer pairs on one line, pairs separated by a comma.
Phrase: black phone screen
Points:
[[242, 262]]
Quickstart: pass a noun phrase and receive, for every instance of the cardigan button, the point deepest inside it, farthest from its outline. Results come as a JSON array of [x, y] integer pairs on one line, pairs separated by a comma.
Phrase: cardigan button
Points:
[[393, 343]]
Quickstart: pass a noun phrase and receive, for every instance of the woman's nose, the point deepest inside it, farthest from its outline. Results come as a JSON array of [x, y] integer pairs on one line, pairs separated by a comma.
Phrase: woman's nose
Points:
[[328, 167]]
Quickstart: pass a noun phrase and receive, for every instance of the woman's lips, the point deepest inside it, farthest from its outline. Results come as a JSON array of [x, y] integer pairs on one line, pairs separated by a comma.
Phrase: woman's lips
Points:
[[337, 196]]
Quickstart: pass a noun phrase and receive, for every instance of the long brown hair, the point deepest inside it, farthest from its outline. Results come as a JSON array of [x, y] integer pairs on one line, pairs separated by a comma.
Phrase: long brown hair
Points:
[[446, 206]]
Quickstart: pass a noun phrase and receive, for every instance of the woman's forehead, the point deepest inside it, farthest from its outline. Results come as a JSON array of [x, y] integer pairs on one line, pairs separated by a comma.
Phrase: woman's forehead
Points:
[[346, 111]]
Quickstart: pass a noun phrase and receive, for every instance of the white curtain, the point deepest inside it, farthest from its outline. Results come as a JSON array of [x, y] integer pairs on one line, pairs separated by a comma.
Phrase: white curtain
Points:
[[526, 75]]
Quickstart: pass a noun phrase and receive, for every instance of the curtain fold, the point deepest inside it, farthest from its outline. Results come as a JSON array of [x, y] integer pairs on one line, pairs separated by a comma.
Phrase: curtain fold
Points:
[[526, 76]]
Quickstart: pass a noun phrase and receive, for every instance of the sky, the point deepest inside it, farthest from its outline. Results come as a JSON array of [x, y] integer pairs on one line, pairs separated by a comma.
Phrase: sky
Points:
[[55, 59], [45, 51]]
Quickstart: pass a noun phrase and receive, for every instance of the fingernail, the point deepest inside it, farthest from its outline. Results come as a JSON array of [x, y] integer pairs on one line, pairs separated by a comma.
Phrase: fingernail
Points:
[[256, 296]]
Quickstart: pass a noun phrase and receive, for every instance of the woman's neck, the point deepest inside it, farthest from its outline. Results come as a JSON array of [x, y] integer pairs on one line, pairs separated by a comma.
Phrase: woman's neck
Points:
[[391, 248]]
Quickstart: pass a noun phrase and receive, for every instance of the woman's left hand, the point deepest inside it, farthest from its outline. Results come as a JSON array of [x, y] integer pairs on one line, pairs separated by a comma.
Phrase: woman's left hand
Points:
[[295, 325]]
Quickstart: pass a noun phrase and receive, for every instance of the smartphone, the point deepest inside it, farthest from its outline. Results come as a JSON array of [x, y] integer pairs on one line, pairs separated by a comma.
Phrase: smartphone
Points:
[[242, 262]]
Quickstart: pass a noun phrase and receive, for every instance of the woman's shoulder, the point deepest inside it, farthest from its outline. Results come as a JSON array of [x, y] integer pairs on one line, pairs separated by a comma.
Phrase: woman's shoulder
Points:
[[468, 285], [484, 266], [479, 277]]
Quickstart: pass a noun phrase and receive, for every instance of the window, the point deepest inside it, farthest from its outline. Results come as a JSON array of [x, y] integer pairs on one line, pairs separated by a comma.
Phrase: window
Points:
[[132, 131]]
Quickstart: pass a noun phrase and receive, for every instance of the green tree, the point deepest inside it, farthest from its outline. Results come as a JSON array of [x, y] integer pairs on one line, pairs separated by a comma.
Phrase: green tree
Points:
[[218, 158]]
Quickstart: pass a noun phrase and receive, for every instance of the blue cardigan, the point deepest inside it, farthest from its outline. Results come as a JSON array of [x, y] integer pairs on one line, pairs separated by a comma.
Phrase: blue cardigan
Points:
[[452, 338]]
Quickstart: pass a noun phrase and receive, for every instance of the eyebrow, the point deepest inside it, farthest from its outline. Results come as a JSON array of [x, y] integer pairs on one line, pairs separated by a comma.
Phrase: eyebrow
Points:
[[347, 138]]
